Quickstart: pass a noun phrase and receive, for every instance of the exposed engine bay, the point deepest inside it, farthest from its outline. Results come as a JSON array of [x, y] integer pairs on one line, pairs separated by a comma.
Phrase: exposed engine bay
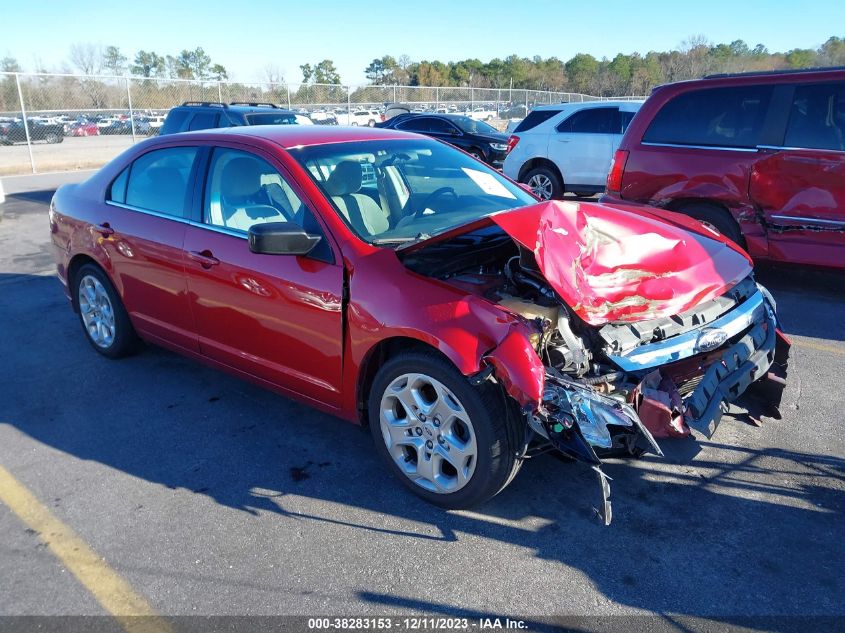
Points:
[[611, 389]]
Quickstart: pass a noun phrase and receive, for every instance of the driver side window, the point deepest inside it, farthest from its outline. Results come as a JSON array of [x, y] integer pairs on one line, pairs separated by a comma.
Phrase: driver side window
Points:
[[244, 190]]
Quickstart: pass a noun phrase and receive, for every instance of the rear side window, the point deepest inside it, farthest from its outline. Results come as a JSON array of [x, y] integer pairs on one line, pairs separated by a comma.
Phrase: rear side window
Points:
[[535, 118], [158, 181], [204, 121], [174, 120], [720, 117], [281, 118], [592, 121], [817, 117], [415, 124]]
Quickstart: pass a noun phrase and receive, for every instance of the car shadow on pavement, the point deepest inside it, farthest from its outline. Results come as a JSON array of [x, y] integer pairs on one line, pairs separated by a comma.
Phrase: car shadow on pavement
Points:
[[715, 528]]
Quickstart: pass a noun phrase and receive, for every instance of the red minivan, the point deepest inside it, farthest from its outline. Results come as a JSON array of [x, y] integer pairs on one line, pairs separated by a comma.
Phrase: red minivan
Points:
[[758, 156]]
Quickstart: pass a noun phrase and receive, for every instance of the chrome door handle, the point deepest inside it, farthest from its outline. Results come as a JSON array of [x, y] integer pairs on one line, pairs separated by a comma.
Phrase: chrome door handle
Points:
[[205, 258]]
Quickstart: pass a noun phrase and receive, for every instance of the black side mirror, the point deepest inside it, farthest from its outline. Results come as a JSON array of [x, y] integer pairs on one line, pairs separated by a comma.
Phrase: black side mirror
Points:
[[281, 238]]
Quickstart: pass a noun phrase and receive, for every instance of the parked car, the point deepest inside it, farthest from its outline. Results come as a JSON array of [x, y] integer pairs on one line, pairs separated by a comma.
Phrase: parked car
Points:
[[567, 146], [322, 117], [204, 115], [83, 128], [469, 325], [156, 122], [758, 156], [14, 132], [360, 117], [474, 137], [481, 114]]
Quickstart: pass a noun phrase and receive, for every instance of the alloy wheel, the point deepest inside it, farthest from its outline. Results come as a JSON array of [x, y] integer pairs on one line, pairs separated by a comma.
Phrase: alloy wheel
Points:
[[541, 186], [97, 312], [428, 433]]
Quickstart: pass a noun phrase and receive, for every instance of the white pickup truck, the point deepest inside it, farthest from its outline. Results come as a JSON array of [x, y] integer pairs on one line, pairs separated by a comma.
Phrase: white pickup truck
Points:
[[481, 114], [359, 117]]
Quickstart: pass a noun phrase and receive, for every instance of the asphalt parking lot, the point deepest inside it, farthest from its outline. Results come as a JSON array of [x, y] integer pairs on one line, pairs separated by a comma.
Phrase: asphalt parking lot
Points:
[[209, 496]]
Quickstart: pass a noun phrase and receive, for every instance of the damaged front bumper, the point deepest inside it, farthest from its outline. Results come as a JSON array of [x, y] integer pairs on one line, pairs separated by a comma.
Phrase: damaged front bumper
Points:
[[584, 423]]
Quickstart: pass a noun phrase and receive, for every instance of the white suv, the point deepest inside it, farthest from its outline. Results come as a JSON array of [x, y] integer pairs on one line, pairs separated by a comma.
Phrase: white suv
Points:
[[360, 117], [568, 146]]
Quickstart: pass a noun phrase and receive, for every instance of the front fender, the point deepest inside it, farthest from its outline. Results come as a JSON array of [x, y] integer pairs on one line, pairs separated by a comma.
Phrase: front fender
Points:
[[386, 301]]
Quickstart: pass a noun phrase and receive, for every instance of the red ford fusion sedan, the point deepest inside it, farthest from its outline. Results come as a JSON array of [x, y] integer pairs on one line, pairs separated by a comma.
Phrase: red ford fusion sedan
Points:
[[395, 281]]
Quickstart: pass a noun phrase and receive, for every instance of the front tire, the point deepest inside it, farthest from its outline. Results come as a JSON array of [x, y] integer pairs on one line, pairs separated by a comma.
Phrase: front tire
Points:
[[544, 183], [449, 442], [104, 319], [52, 138]]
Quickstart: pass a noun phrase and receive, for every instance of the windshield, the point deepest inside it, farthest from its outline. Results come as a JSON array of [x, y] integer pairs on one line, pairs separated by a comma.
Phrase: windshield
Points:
[[394, 191], [272, 118], [471, 126]]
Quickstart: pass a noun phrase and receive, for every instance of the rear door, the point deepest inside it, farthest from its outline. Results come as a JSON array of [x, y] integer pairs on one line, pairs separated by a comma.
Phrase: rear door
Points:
[[143, 228], [583, 145], [799, 185]]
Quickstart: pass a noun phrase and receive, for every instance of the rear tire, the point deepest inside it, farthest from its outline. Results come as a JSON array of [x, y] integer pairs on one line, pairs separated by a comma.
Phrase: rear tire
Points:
[[104, 319], [715, 217], [545, 183], [52, 138], [479, 434]]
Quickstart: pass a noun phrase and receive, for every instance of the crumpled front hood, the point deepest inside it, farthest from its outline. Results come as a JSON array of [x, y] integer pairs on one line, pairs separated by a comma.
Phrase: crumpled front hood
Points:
[[615, 263]]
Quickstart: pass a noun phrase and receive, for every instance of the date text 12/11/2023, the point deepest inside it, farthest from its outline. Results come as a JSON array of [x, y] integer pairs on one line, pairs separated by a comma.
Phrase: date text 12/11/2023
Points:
[[415, 623]]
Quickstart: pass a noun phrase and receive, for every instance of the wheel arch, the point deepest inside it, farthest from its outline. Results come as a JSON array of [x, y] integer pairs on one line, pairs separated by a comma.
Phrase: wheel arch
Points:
[[533, 163], [377, 356], [78, 261], [680, 204]]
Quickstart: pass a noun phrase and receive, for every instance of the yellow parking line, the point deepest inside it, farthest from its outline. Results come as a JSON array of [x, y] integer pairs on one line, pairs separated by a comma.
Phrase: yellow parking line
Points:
[[110, 590], [821, 347]]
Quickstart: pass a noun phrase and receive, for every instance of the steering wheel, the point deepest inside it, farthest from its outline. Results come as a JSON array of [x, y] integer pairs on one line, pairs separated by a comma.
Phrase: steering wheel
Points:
[[433, 195]]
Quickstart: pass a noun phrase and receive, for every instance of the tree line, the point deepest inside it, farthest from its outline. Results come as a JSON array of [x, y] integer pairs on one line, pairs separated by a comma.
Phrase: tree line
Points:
[[633, 74]]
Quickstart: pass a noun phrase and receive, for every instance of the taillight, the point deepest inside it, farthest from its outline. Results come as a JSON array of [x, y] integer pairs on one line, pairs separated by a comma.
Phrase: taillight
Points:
[[617, 168], [512, 141]]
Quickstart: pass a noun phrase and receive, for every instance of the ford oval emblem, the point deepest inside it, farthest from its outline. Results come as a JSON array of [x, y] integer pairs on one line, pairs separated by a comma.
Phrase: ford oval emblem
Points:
[[710, 338]]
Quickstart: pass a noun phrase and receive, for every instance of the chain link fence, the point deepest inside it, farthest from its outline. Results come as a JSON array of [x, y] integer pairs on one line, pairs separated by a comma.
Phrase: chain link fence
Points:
[[53, 122]]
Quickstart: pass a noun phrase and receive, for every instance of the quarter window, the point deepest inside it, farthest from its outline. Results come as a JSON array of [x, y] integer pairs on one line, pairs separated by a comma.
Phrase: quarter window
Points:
[[817, 118], [158, 181], [719, 117]]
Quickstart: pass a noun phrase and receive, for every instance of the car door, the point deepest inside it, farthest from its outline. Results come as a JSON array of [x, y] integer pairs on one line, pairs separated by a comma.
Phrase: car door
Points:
[[583, 144], [277, 318], [143, 229], [799, 185]]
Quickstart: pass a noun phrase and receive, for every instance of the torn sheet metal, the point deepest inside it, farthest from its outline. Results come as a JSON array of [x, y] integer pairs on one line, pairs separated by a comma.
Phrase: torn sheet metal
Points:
[[518, 368], [613, 264], [660, 407]]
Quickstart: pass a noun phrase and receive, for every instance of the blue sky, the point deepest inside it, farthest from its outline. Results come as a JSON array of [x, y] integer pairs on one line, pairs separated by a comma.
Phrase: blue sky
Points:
[[246, 35]]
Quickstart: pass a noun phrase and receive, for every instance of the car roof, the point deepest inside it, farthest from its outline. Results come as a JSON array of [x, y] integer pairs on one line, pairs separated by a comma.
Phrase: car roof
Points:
[[578, 105], [234, 107], [291, 136], [757, 77]]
